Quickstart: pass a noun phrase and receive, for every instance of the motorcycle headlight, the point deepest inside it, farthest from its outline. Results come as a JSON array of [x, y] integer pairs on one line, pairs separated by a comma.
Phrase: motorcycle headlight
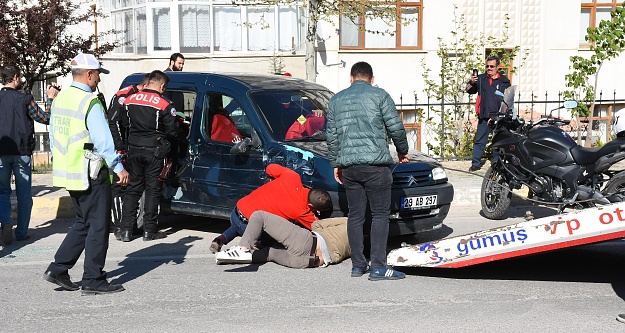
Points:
[[438, 173]]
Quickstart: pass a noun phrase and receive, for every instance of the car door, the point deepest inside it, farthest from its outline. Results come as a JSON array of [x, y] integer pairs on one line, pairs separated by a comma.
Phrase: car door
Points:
[[220, 178]]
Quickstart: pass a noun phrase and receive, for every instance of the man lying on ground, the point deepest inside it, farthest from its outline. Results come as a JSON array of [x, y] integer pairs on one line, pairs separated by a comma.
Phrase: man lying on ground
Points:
[[294, 246]]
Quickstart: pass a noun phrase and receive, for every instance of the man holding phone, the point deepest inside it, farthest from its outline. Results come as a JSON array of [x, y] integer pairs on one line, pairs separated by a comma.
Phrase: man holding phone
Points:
[[486, 104]]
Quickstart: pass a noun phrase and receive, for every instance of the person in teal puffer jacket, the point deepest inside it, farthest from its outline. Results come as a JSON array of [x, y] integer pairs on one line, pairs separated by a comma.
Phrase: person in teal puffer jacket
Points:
[[360, 118]]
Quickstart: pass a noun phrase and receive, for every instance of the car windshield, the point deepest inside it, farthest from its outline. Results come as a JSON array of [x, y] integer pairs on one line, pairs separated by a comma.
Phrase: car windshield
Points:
[[294, 115]]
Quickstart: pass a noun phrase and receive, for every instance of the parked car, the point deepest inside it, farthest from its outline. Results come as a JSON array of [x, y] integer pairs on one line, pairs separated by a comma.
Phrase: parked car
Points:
[[271, 118]]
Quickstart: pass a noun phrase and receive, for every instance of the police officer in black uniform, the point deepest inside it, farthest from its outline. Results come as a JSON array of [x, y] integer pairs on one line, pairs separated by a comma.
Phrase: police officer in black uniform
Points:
[[150, 119], [114, 115]]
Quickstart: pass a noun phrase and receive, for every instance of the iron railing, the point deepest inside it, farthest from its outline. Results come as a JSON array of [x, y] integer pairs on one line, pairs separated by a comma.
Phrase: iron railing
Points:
[[530, 107]]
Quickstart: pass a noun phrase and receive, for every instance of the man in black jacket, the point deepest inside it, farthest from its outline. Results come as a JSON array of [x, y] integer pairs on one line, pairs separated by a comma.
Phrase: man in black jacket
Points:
[[17, 140], [114, 115], [485, 86], [150, 119]]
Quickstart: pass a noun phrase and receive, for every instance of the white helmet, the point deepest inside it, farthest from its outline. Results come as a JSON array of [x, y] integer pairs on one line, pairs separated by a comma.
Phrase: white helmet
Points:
[[618, 123]]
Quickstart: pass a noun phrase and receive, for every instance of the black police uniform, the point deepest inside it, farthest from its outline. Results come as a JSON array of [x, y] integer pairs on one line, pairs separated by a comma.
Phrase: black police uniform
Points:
[[114, 115], [151, 120]]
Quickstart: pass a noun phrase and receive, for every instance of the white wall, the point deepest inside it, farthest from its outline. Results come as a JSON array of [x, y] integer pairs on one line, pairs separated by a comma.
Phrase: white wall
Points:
[[548, 29]]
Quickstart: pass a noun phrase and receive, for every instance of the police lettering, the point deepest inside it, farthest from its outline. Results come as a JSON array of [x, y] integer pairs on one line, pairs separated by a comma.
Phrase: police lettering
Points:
[[61, 125], [149, 98]]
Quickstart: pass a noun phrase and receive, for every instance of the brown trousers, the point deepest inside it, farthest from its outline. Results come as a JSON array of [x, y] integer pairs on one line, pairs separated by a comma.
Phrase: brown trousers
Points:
[[294, 241]]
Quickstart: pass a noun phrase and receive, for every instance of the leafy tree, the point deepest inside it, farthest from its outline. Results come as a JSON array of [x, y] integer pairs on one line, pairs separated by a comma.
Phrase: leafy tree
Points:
[[37, 36], [607, 41], [459, 56], [329, 11], [579, 89]]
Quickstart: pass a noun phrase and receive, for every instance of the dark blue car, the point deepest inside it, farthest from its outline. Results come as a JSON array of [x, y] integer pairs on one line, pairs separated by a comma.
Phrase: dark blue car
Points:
[[240, 122]]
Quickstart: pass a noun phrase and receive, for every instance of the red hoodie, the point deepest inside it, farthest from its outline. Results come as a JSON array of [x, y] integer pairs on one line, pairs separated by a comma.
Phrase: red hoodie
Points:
[[284, 196]]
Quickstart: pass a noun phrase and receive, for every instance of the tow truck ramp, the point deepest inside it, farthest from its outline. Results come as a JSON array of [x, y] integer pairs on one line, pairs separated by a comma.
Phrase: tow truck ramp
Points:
[[581, 227]]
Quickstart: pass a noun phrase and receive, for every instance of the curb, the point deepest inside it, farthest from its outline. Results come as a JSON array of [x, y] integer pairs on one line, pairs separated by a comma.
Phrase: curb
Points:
[[47, 208]]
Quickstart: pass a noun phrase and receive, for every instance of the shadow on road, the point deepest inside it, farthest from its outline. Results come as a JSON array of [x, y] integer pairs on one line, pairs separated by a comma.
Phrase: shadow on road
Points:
[[187, 222], [143, 261], [38, 232]]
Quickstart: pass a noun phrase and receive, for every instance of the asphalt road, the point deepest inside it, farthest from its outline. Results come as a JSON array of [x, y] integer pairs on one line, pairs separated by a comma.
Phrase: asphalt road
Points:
[[173, 285]]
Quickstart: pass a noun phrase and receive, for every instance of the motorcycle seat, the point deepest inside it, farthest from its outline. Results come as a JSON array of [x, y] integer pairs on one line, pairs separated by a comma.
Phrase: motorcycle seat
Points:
[[584, 155]]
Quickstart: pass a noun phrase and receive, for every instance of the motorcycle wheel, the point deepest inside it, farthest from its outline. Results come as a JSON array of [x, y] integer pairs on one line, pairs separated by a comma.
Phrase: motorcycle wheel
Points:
[[616, 187], [495, 195]]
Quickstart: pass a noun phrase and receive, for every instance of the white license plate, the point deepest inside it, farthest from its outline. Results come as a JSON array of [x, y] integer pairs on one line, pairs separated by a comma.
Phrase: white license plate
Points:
[[418, 202]]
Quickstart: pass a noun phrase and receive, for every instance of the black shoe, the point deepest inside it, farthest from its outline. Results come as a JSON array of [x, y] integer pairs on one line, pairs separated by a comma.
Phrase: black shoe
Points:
[[27, 237], [7, 234], [149, 236], [118, 233], [125, 235], [62, 280], [474, 168], [106, 288]]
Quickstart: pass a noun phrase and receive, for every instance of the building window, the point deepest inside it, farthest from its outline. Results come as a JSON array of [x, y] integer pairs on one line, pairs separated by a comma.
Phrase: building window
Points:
[[161, 25], [593, 12], [227, 39], [206, 26], [368, 32], [195, 37], [261, 32], [38, 90]]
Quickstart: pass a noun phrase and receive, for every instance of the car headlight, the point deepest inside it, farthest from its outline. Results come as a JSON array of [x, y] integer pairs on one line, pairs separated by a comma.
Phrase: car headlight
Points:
[[438, 173]]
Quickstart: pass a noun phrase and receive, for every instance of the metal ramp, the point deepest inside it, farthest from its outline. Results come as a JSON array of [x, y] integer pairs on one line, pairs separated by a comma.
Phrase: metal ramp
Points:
[[581, 227]]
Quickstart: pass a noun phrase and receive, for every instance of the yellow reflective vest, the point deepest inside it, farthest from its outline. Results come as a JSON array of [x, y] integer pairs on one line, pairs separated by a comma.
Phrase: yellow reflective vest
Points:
[[68, 126]]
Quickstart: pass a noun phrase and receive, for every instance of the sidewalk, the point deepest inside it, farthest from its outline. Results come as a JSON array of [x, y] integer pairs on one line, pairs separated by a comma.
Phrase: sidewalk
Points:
[[51, 202], [48, 202], [467, 186]]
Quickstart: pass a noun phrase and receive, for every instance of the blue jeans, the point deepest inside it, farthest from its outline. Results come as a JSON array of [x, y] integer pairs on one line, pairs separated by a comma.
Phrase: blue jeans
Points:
[[20, 166], [237, 227], [479, 145], [368, 185]]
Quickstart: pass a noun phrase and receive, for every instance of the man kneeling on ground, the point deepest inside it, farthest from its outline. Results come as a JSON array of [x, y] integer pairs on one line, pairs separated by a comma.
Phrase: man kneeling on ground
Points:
[[295, 246]]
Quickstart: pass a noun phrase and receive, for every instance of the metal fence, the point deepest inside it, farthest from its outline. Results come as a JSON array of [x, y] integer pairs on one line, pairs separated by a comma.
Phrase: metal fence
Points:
[[424, 124]]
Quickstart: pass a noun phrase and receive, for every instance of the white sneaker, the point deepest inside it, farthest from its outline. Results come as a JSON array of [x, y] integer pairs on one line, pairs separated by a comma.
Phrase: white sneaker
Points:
[[234, 255]]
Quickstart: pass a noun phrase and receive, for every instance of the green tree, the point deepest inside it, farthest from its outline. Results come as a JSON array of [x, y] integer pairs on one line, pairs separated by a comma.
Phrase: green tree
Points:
[[459, 56], [607, 41], [580, 89], [36, 37], [328, 11]]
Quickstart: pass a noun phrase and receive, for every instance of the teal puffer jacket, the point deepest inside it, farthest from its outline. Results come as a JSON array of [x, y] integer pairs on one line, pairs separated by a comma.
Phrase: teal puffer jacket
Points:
[[359, 120]]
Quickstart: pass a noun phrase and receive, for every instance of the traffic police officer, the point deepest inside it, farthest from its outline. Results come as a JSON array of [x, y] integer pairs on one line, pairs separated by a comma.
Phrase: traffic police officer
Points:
[[151, 120], [78, 129], [114, 115]]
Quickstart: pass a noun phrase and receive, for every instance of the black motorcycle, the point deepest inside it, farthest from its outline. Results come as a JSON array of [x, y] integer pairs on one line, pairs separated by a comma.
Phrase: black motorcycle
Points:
[[541, 156]]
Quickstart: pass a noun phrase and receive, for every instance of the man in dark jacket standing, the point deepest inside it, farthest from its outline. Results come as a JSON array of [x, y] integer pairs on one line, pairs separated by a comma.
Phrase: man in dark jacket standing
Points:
[[114, 115], [17, 140], [150, 120], [359, 119], [485, 86]]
